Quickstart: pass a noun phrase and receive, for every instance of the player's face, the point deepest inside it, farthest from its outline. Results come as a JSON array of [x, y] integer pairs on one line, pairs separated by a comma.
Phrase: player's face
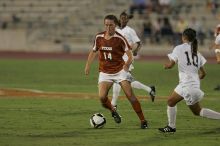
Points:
[[110, 26], [123, 20]]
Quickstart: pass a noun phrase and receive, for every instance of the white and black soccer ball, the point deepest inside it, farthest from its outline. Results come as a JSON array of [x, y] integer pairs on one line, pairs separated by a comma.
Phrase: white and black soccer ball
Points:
[[97, 120]]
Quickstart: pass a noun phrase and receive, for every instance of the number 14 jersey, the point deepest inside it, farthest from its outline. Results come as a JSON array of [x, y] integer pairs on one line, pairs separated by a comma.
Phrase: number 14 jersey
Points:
[[111, 52]]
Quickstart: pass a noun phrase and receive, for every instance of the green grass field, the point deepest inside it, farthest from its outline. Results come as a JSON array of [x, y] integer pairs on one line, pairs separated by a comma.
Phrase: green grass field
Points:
[[29, 121]]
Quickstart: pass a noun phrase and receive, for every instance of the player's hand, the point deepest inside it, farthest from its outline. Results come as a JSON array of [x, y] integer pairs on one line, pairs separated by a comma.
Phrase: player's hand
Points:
[[87, 70], [126, 67], [170, 64], [202, 76], [166, 66]]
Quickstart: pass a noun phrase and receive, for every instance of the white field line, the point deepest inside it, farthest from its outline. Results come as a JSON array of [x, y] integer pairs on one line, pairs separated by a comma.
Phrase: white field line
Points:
[[24, 89]]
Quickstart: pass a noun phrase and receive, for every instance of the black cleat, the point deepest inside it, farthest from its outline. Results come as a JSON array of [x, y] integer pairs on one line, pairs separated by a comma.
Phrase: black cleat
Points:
[[167, 129], [144, 125], [116, 117], [152, 93]]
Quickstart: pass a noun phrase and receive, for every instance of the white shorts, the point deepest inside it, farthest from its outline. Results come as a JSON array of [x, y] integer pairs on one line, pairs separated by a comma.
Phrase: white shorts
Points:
[[117, 77], [191, 95]]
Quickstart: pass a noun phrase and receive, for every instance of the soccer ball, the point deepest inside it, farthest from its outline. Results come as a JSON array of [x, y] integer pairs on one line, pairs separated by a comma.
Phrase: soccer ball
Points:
[[97, 120]]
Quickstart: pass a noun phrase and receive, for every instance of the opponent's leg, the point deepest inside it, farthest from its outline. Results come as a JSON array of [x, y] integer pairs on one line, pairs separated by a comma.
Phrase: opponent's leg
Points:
[[171, 113], [116, 91], [151, 90], [204, 112]]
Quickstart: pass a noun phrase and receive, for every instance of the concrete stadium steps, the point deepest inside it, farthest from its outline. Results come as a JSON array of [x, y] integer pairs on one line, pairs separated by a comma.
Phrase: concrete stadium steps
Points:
[[76, 23]]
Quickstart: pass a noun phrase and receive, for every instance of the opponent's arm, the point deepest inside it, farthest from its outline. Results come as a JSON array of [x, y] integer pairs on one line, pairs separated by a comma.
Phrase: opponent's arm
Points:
[[136, 47], [90, 59], [170, 64], [129, 61], [202, 73]]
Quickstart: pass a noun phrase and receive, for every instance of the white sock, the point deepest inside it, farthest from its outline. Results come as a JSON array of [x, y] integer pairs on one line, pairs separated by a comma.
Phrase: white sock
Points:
[[116, 91], [139, 85], [171, 114], [207, 113]]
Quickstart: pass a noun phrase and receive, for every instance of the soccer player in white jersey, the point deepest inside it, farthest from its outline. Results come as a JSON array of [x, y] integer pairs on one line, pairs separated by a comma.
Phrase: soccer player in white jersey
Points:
[[190, 67], [135, 43], [216, 46]]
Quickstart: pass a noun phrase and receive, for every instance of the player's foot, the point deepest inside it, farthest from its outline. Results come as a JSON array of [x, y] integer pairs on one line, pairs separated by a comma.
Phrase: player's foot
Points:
[[167, 129], [152, 93], [116, 117], [144, 124]]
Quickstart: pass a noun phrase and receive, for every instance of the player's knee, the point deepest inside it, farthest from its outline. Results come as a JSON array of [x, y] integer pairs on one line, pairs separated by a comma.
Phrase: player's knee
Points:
[[196, 113], [129, 96], [171, 103], [132, 99], [103, 99], [103, 102]]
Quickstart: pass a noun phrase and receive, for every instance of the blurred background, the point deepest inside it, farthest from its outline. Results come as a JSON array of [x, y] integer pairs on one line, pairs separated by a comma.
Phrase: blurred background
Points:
[[69, 26]]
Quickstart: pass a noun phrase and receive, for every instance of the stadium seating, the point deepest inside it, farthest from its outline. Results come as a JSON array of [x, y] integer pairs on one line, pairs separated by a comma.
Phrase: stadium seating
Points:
[[74, 24]]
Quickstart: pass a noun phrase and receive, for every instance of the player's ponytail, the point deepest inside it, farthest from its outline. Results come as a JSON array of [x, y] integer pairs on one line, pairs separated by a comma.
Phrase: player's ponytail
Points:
[[190, 34], [194, 46]]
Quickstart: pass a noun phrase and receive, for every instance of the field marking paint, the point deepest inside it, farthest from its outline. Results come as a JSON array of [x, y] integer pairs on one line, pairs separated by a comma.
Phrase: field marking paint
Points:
[[31, 90]]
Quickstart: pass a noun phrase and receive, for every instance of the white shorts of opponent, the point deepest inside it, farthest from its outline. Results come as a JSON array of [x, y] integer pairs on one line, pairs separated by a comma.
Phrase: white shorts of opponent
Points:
[[190, 94], [117, 77]]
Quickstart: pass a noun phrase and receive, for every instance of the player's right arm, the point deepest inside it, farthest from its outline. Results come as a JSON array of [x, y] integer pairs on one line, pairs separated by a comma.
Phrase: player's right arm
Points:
[[173, 57], [170, 64], [90, 59]]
